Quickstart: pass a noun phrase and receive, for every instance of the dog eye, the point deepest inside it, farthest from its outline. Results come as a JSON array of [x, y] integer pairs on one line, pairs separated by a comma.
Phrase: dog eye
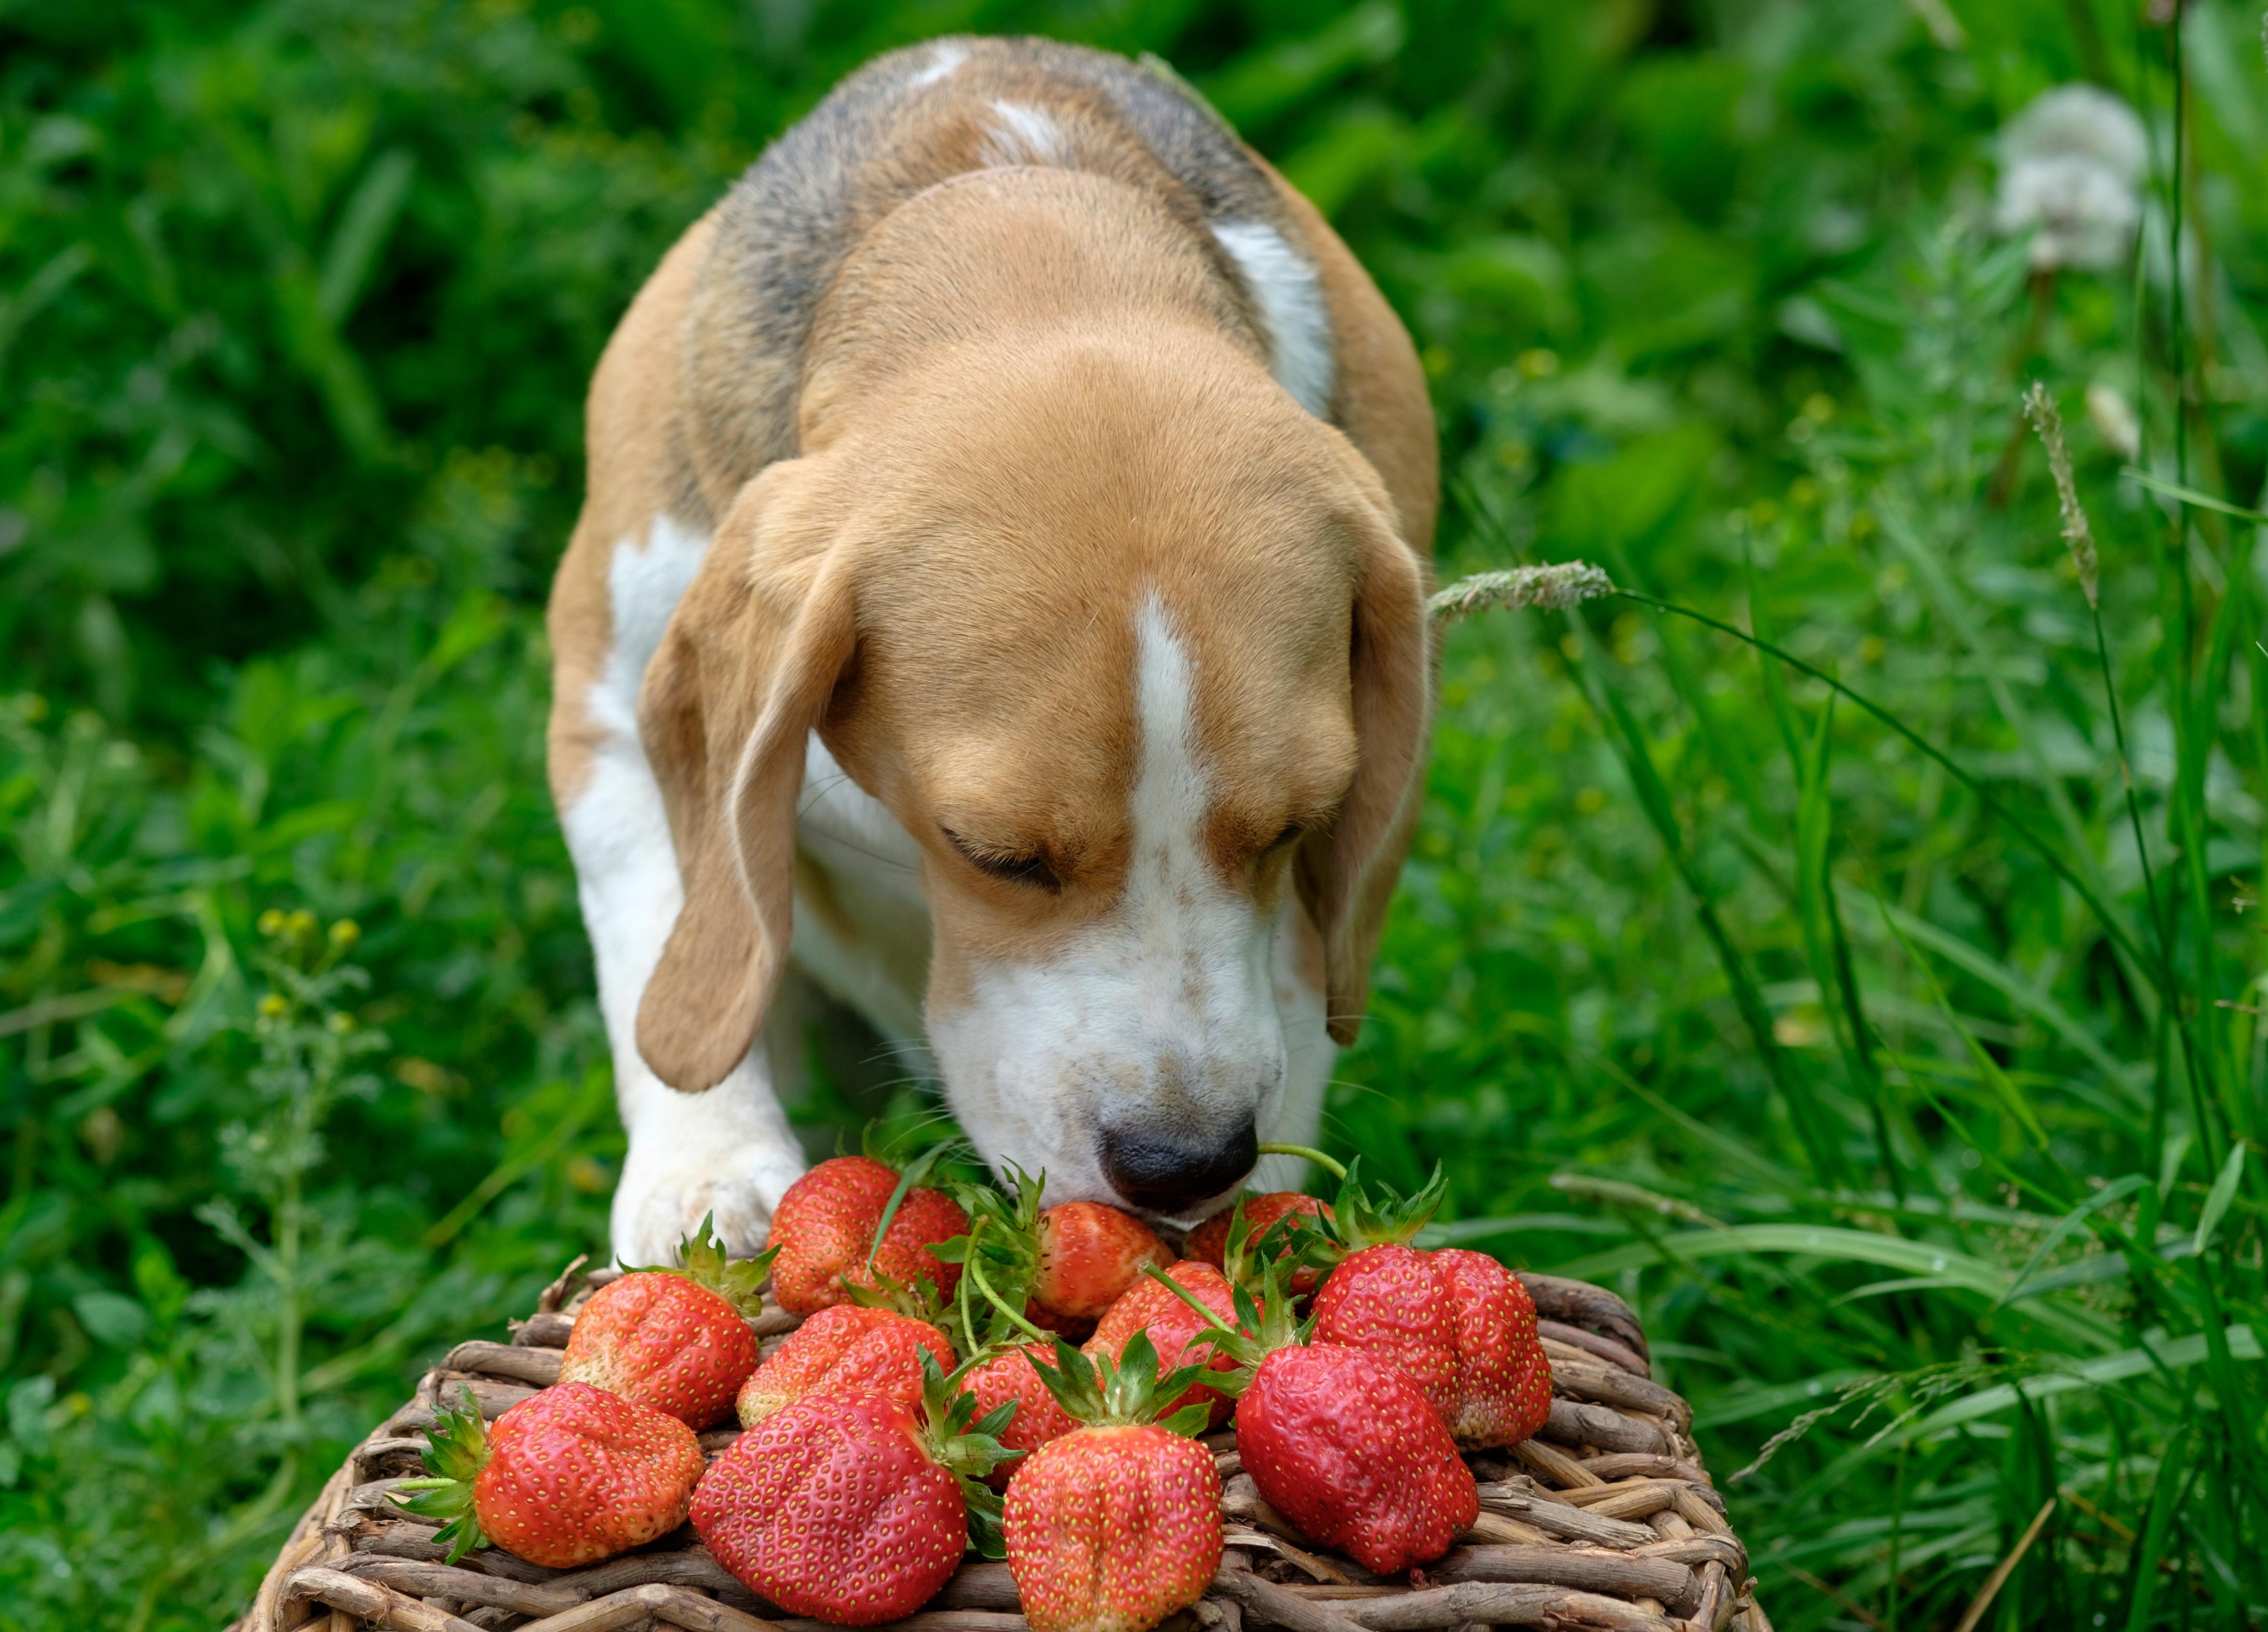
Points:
[[1291, 835], [1032, 870], [1019, 870]]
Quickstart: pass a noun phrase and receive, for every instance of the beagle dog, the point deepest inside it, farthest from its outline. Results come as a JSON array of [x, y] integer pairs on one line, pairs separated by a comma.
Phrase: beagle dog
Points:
[[1000, 594]]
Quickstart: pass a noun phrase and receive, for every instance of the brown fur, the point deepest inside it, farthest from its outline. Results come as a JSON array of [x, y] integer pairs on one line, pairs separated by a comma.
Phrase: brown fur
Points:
[[1021, 397]]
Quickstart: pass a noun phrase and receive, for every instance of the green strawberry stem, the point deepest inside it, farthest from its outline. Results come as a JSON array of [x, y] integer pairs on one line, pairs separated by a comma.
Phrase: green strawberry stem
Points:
[[1010, 1254], [1268, 1324], [456, 1449], [1328, 1163], [915, 1171], [1190, 1298], [973, 1271]]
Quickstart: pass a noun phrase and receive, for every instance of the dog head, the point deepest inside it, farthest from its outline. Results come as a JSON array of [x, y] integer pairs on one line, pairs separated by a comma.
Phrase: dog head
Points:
[[1137, 656]]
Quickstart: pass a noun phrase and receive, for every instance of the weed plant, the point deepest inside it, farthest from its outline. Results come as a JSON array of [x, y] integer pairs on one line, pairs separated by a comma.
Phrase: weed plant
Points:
[[1862, 972]]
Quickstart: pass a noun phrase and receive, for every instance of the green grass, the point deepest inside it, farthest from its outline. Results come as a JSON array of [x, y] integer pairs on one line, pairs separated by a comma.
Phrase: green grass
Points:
[[1901, 1064]]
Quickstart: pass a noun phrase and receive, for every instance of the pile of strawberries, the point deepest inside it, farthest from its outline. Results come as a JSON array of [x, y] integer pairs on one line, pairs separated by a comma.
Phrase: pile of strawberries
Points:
[[932, 1400]]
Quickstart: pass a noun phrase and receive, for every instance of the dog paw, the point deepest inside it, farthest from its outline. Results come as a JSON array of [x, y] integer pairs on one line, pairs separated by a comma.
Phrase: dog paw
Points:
[[660, 1203]]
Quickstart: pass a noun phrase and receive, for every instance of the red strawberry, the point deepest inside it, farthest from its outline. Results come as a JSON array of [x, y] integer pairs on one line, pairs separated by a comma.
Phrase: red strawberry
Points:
[[1150, 1307], [1115, 1525], [569, 1475], [1208, 1243], [1346, 1448], [824, 1227], [845, 1349], [672, 1339], [1459, 1326], [852, 1509], [1339, 1441], [1088, 1256], [1009, 1375]]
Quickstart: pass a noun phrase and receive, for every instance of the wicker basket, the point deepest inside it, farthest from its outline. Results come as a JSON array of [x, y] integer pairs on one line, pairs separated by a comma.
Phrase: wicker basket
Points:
[[1607, 1520]]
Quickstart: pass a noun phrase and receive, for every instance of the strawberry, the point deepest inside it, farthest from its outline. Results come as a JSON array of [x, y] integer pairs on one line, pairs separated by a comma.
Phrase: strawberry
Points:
[[1346, 1448], [852, 1509], [1115, 1525], [673, 1338], [1088, 1254], [1458, 1324], [1010, 1374], [1339, 1440], [1208, 1243], [1150, 1305], [823, 1231], [569, 1475], [843, 1349]]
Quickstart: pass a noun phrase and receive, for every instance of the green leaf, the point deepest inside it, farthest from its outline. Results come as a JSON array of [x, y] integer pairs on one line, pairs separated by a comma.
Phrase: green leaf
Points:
[[1189, 1422], [986, 1538], [2011, 1096], [364, 223], [2217, 1200], [111, 1317]]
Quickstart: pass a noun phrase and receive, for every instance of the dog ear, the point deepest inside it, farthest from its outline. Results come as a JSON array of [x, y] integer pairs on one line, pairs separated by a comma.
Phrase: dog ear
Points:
[[743, 674], [1346, 871]]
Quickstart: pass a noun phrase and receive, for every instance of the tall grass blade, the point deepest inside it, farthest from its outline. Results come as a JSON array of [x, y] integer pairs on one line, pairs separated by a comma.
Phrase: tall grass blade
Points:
[[1804, 1111], [1825, 946], [2190, 496], [2011, 1096], [2217, 1200], [2010, 984], [2117, 1191], [2112, 926], [2165, 1500]]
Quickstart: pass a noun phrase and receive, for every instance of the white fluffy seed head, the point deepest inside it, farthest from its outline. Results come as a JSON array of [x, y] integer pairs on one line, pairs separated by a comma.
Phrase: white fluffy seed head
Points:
[[1554, 587], [2072, 165]]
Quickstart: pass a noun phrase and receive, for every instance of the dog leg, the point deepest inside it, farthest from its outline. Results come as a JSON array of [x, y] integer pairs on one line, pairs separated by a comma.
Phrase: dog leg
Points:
[[728, 1152]]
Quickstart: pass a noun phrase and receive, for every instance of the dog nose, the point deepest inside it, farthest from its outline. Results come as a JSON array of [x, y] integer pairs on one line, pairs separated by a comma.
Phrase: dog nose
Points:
[[1164, 1171]]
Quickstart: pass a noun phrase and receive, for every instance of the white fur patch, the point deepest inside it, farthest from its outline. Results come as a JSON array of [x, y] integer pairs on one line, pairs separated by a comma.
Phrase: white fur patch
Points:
[[1165, 1010], [1167, 810], [643, 588], [729, 1149], [943, 60], [1290, 296], [1025, 135]]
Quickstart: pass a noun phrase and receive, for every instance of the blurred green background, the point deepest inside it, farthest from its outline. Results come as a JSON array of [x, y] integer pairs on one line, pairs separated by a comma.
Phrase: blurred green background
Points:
[[1924, 1093]]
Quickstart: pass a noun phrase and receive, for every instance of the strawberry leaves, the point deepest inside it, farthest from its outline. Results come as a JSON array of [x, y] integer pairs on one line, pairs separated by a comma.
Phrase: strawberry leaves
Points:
[[739, 1282], [456, 1449], [966, 1447], [1128, 1394], [1359, 1217], [999, 1256]]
